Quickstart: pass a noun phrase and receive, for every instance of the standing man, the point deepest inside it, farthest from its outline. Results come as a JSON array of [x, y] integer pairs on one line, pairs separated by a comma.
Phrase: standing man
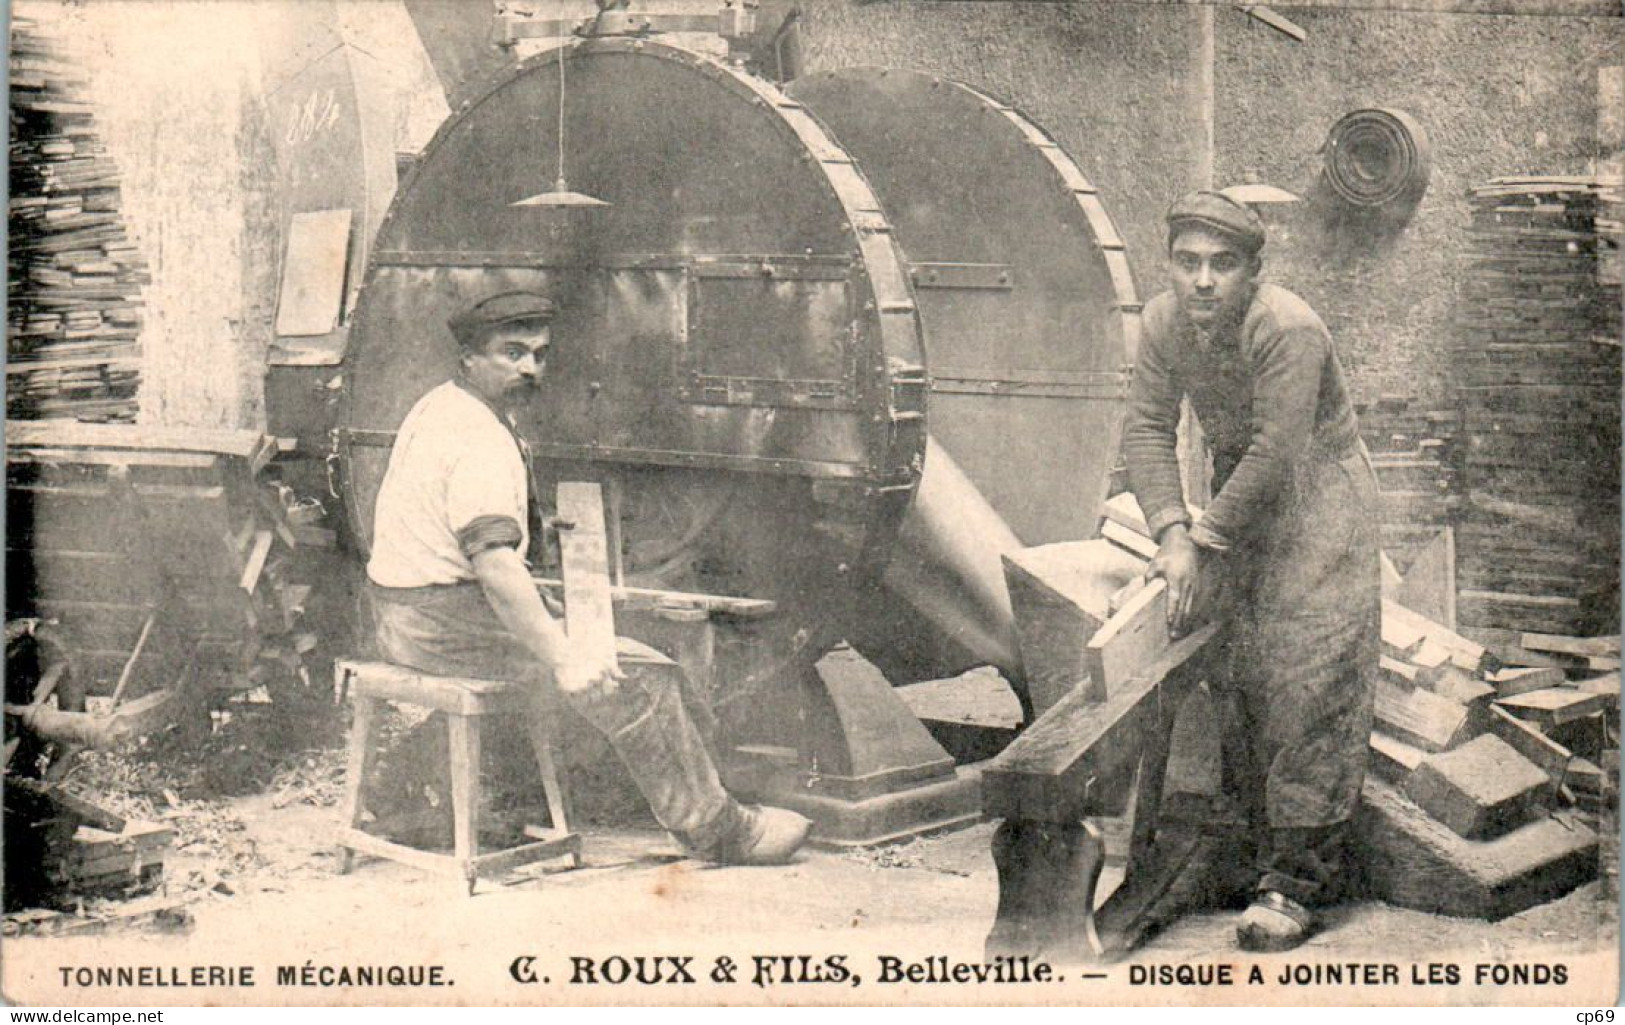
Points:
[[1288, 545], [452, 594]]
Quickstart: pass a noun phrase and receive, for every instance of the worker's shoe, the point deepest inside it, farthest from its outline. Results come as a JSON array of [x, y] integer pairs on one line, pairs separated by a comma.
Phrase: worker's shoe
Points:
[[769, 836], [1274, 922]]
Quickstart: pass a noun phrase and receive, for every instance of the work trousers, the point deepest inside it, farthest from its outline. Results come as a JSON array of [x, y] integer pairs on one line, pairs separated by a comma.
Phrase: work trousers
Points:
[[453, 631], [1303, 642]]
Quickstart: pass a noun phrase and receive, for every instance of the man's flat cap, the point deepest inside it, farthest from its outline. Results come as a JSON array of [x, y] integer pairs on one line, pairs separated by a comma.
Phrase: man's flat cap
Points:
[[1217, 212], [470, 323]]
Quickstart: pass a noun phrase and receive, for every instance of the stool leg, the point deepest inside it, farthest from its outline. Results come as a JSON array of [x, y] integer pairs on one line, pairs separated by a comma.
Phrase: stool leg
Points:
[[355, 778], [558, 800], [465, 792]]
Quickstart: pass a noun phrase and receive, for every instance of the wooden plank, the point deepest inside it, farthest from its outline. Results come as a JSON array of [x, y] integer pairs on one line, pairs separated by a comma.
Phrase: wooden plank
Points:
[[1451, 681], [1607, 685], [1054, 770], [1512, 682], [62, 434], [1130, 640], [1481, 789], [1412, 861], [1429, 586], [255, 564], [1124, 510], [1060, 595], [1583, 647], [589, 614], [1130, 541], [1401, 620], [1552, 758], [1420, 717], [1554, 706]]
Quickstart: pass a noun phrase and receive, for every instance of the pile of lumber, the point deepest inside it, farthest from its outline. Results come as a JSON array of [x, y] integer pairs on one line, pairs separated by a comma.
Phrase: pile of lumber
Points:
[[61, 848], [74, 308], [1488, 776], [1486, 765], [1413, 450], [1539, 369]]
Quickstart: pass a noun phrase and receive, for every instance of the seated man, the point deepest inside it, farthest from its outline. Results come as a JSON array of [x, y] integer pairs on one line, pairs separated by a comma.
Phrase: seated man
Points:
[[452, 594]]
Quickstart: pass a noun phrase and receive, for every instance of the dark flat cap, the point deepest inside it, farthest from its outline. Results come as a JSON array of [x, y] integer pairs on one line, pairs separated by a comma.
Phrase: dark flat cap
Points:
[[1220, 213], [470, 323]]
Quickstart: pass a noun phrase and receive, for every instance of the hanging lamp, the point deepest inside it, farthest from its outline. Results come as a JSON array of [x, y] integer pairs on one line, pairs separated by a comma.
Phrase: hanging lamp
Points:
[[560, 195]]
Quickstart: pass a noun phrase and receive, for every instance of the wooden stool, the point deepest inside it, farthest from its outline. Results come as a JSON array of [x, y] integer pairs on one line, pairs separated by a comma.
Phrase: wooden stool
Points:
[[465, 702]]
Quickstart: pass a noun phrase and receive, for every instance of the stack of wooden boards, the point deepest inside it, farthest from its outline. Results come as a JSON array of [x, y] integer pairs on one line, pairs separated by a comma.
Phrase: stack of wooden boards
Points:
[[61, 848], [1413, 450], [1538, 362], [74, 277], [1486, 776], [161, 552], [1483, 772]]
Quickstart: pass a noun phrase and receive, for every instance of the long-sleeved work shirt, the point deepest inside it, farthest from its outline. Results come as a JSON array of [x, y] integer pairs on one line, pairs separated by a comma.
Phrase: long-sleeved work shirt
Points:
[[1269, 393]]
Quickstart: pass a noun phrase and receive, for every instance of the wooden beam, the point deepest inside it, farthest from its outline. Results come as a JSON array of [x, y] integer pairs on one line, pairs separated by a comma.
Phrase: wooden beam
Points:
[[1052, 772]]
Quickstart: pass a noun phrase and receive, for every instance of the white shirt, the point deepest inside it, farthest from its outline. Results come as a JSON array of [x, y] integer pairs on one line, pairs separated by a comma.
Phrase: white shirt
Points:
[[453, 462]]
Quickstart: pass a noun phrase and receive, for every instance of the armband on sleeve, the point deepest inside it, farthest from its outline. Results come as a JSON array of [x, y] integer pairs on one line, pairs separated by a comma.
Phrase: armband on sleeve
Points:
[[484, 533]]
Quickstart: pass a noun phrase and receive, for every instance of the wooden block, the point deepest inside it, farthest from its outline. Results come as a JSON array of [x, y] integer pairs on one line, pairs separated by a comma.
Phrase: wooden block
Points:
[[1392, 759], [589, 613], [1554, 706], [1420, 717], [1412, 861], [1452, 682], [1130, 640], [1481, 789], [1060, 595], [1512, 682]]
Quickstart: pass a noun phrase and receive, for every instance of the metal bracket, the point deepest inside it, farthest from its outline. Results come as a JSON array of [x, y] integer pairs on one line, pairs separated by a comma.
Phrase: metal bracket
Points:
[[1056, 385], [733, 20], [996, 277]]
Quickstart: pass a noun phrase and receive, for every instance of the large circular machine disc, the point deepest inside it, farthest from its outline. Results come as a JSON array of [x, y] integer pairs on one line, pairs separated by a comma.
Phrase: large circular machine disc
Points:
[[1030, 312], [736, 354]]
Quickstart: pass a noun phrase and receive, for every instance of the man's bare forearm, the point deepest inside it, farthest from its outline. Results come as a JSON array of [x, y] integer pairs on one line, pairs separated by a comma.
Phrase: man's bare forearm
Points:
[[512, 594]]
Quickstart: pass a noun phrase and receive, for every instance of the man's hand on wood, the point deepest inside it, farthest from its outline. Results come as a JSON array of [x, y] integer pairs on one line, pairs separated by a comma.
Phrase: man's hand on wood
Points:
[[578, 673], [1179, 562]]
